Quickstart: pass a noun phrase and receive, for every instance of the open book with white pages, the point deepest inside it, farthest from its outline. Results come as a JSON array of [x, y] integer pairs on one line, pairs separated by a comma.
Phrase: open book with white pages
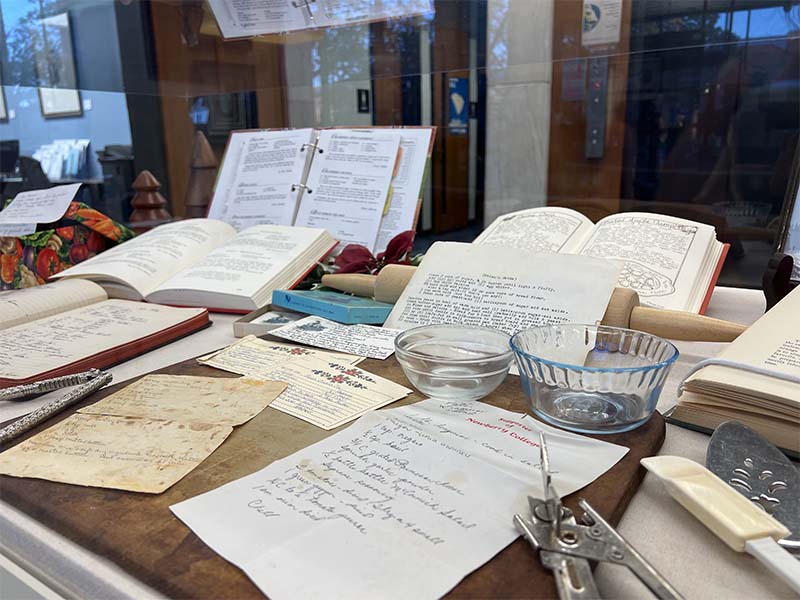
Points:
[[205, 262], [361, 184], [671, 263], [244, 18]]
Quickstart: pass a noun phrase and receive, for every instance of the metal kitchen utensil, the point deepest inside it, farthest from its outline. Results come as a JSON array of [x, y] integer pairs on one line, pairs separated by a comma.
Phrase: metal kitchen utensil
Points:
[[90, 381], [759, 471], [566, 547]]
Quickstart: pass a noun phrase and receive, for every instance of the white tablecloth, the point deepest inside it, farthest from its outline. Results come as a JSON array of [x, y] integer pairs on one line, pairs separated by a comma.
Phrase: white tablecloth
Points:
[[693, 559]]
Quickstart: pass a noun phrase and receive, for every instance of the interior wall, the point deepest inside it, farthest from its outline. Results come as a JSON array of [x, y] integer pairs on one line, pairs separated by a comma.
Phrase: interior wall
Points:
[[106, 123], [518, 81], [99, 76]]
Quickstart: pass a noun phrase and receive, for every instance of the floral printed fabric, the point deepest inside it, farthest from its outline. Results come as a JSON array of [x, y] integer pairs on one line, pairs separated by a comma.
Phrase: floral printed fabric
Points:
[[83, 232]]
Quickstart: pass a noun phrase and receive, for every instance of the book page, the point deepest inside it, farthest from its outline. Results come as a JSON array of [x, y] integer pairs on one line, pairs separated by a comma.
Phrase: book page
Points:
[[151, 258], [503, 288], [29, 304], [772, 343], [348, 184], [429, 489], [257, 177], [662, 257], [406, 185], [60, 340], [546, 230], [239, 18], [242, 265], [341, 12]]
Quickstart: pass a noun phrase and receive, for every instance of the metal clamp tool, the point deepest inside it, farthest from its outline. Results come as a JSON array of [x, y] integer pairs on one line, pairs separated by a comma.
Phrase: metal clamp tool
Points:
[[566, 546], [88, 382]]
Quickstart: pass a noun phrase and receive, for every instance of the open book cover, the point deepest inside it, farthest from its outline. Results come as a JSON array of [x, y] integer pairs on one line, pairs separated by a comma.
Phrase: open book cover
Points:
[[670, 262], [69, 326], [362, 184], [240, 18], [759, 384], [206, 263]]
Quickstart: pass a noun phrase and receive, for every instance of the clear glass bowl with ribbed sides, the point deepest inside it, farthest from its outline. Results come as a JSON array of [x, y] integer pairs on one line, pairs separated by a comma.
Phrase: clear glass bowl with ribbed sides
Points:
[[592, 378]]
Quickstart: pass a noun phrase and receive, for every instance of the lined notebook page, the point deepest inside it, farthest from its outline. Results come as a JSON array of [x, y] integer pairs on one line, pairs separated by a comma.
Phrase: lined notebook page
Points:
[[56, 341], [26, 305]]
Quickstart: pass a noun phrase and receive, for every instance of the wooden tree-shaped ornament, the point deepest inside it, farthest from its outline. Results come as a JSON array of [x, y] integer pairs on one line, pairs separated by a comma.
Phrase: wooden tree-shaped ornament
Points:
[[149, 206], [201, 178]]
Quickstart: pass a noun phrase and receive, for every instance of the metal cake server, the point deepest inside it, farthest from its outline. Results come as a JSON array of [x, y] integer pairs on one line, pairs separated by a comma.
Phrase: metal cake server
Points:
[[759, 471]]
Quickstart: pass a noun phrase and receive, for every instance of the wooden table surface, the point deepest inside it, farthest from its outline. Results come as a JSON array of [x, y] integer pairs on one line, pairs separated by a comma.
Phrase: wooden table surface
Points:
[[140, 534]]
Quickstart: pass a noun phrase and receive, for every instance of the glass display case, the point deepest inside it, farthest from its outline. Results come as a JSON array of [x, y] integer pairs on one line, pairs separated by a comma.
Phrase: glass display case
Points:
[[683, 108]]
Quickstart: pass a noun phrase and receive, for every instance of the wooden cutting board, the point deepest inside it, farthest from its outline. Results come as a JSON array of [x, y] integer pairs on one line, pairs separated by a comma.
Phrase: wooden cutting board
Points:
[[140, 534]]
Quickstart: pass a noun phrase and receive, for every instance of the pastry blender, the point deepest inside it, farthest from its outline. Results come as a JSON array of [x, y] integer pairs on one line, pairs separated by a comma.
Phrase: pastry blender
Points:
[[566, 546]]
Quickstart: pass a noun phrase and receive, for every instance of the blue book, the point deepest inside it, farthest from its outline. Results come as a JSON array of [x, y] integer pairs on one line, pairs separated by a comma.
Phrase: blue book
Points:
[[336, 306]]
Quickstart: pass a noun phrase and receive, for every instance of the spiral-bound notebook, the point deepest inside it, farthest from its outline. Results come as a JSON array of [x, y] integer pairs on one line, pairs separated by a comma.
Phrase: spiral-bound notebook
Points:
[[363, 185], [239, 18]]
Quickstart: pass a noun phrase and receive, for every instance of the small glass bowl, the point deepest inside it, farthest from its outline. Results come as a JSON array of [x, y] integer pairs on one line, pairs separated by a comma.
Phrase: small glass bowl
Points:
[[592, 378], [454, 362]]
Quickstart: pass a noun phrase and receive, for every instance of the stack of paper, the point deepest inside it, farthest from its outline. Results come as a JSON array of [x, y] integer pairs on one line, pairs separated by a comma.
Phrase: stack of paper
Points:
[[323, 389]]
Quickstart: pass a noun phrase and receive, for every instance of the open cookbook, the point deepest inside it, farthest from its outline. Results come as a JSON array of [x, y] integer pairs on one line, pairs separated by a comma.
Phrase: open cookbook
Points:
[[363, 184], [671, 263], [756, 381], [69, 326], [205, 262]]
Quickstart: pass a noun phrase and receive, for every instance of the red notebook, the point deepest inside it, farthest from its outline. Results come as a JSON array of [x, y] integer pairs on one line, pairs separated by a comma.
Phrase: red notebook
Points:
[[96, 334]]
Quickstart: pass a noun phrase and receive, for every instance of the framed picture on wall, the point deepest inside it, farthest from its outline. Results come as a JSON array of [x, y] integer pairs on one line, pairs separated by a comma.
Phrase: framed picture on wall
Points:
[[55, 68], [57, 102]]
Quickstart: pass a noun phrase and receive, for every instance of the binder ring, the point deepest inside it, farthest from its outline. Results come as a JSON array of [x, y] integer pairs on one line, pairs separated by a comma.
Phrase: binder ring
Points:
[[307, 5], [303, 186], [314, 145]]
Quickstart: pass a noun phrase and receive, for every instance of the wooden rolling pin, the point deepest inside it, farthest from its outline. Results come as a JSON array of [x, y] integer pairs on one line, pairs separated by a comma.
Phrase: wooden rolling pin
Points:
[[623, 308]]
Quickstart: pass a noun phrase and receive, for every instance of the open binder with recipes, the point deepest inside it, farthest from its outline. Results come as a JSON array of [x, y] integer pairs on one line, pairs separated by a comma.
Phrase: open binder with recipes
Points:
[[363, 185], [241, 18]]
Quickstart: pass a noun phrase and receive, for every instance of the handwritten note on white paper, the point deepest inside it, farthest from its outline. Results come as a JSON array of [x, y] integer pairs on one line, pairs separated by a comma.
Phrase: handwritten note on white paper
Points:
[[39, 206], [16, 229], [402, 504], [363, 340]]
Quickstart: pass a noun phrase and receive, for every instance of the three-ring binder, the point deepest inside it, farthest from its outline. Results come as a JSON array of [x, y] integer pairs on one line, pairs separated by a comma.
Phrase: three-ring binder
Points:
[[306, 4], [314, 145], [302, 186]]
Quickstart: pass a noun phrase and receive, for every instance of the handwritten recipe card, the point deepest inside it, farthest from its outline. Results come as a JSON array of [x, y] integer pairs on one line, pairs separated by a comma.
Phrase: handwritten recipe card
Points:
[[143, 438], [362, 340], [323, 389], [402, 504]]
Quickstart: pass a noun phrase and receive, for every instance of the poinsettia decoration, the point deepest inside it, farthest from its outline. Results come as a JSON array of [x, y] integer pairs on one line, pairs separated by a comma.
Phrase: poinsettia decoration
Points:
[[355, 258]]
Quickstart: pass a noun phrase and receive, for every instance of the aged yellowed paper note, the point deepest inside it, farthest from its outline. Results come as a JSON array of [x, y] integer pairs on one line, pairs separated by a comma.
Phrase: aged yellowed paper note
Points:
[[124, 453], [188, 399]]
